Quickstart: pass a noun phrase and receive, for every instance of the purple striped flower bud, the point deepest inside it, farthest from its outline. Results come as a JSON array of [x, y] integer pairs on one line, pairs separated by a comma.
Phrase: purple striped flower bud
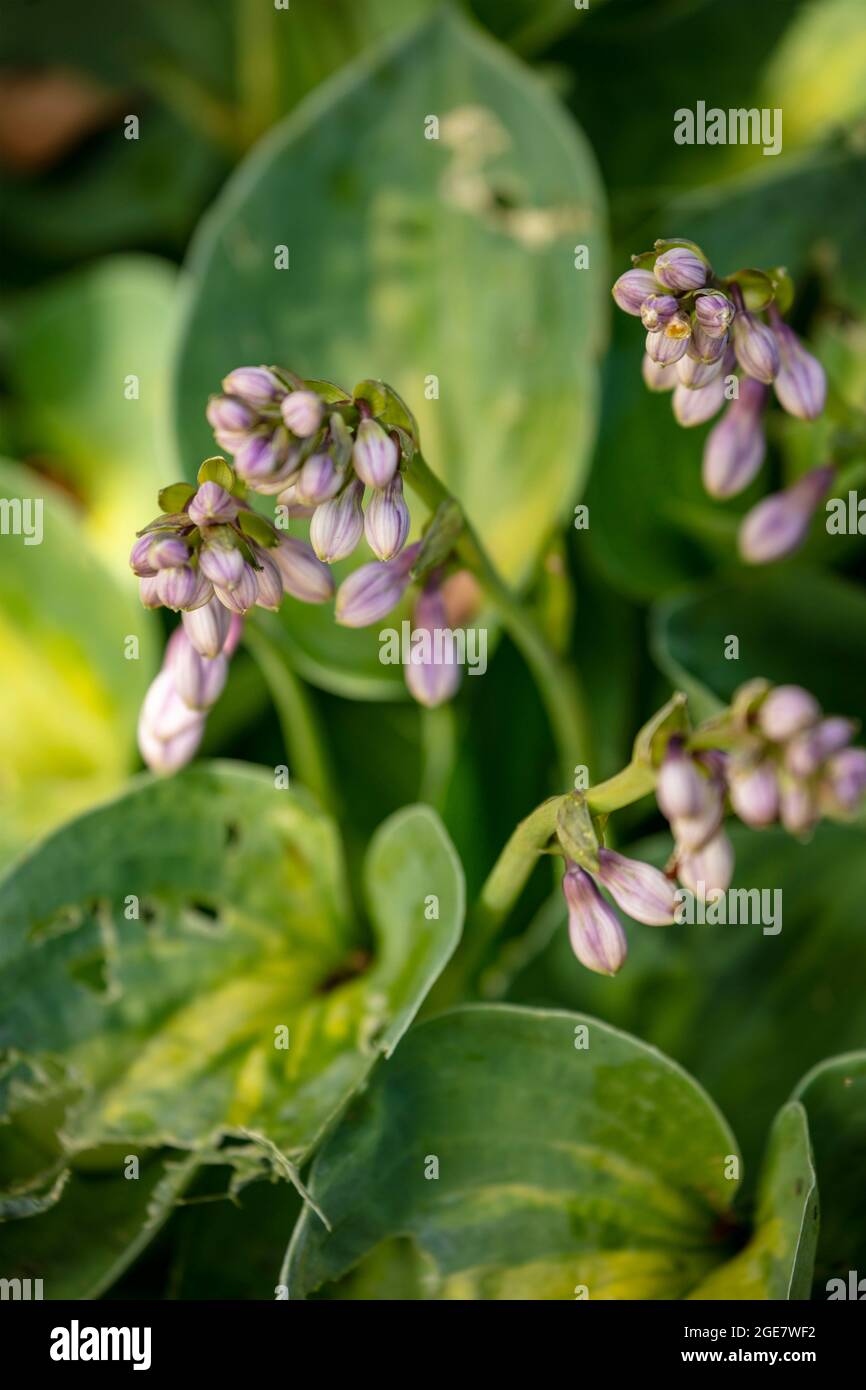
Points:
[[667, 345], [800, 383], [386, 524], [302, 413], [235, 633], [288, 497], [207, 627], [714, 313], [658, 310], [255, 385], [303, 574], [242, 595], [177, 586], [778, 525], [222, 564], [754, 793], [262, 455], [678, 268], [373, 590], [805, 753], [694, 405], [642, 892], [787, 711], [708, 869], [276, 482], [269, 581], [139, 558], [231, 421], [681, 790], [203, 592], [756, 347], [656, 376], [375, 455], [168, 552], [319, 480], [846, 774], [338, 525], [430, 681], [169, 732], [198, 680], [148, 591], [798, 807], [735, 447], [695, 373], [595, 931], [632, 288], [706, 349], [212, 506]]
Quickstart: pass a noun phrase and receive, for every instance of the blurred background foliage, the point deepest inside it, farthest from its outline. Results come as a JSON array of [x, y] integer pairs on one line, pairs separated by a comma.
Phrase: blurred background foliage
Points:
[[144, 257]]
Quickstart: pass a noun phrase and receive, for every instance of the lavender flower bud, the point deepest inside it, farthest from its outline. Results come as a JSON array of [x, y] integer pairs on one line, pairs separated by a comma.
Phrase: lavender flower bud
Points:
[[169, 732], [386, 524], [595, 931], [778, 524], [787, 710], [846, 774], [640, 890], [338, 525], [709, 869], [177, 586], [431, 682], [262, 455], [805, 753], [255, 385], [148, 591], [303, 574], [212, 506], [139, 558], [798, 808], [286, 473], [658, 310], [302, 413], [269, 581], [632, 288], [754, 793], [375, 455], [207, 627], [735, 447], [198, 680], [231, 421], [800, 383], [242, 595], [223, 565], [694, 405], [235, 632], [319, 480], [667, 345], [656, 376], [203, 592], [756, 347], [695, 373], [167, 552], [679, 268], [373, 590], [714, 313], [706, 349], [681, 790]]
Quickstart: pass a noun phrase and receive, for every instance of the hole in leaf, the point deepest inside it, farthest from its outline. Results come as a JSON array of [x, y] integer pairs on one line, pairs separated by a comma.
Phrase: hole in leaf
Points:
[[233, 834], [354, 965], [90, 971]]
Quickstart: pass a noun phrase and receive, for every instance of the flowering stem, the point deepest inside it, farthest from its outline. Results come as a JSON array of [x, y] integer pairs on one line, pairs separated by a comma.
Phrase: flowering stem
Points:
[[556, 682]]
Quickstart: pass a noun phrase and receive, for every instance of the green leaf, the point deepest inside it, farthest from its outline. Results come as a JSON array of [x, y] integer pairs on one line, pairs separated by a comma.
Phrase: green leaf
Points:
[[216, 470], [778, 1261], [174, 498], [834, 1097], [72, 685], [500, 199], [170, 1021], [558, 1165], [89, 360], [576, 832], [254, 525]]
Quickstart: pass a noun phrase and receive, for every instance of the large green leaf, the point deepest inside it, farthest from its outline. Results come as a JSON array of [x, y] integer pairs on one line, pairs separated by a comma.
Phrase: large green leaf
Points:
[[558, 1165], [411, 258], [834, 1097], [778, 1260], [747, 1013], [75, 345], [169, 1022], [72, 683]]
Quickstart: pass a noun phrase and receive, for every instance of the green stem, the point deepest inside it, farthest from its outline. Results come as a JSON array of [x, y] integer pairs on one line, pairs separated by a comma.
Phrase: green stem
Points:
[[300, 728], [556, 682]]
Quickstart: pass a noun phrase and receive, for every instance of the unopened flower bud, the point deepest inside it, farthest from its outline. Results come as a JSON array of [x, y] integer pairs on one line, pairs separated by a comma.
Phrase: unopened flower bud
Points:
[[695, 373], [207, 627], [167, 552], [657, 310], [696, 405], [708, 869], [787, 710], [679, 268], [431, 681], [169, 732], [656, 376], [338, 525], [805, 753], [681, 790], [373, 590], [800, 383], [198, 680], [148, 590], [642, 892], [846, 774], [177, 586], [374, 455], [667, 345], [386, 524], [222, 564], [595, 931], [756, 347], [778, 525], [262, 455], [302, 413], [269, 581], [632, 288], [735, 447], [255, 385], [242, 595], [798, 807], [212, 506], [303, 574], [714, 313], [231, 421], [754, 793], [319, 480]]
